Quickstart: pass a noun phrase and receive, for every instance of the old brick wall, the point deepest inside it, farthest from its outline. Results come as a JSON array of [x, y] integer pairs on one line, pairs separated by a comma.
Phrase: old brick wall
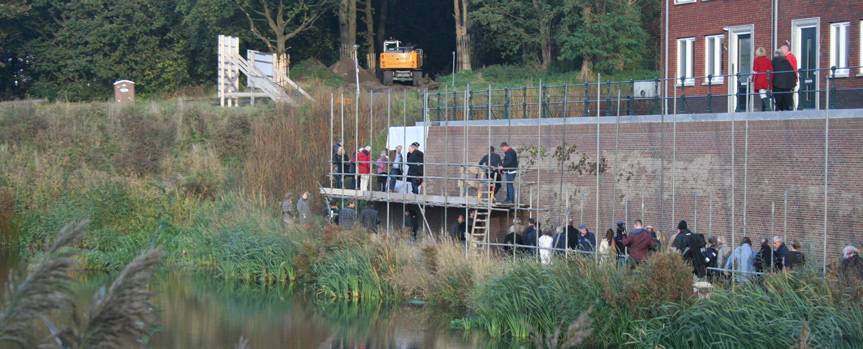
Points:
[[684, 170]]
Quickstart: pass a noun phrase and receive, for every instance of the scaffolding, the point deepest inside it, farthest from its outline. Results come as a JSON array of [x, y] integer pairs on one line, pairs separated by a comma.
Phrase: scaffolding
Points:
[[606, 151]]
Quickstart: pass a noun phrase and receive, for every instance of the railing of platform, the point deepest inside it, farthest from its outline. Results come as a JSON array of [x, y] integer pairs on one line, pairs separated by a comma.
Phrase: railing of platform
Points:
[[712, 189]]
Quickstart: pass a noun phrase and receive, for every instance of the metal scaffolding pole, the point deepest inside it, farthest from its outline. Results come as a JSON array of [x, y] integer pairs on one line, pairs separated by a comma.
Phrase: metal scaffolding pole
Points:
[[404, 157], [538, 169], [674, 159], [465, 111], [342, 140], [614, 162], [826, 176], [446, 158], [389, 219], [357, 179], [745, 174], [785, 217], [332, 116], [487, 237], [733, 227], [562, 169], [598, 107]]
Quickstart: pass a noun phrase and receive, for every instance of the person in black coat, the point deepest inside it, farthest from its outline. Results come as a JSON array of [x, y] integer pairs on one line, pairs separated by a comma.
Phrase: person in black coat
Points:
[[458, 229], [784, 81], [690, 244], [415, 166], [511, 238], [530, 235], [509, 169], [341, 166], [491, 163]]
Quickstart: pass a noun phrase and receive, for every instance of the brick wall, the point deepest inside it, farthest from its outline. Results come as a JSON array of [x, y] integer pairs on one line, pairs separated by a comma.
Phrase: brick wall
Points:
[[703, 18], [687, 174]]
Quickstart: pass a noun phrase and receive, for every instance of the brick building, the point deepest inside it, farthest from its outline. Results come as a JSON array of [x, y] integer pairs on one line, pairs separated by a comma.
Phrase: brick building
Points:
[[719, 38]]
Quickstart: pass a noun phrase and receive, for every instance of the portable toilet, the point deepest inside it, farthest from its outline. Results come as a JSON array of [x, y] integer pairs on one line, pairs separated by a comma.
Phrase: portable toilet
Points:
[[124, 91]]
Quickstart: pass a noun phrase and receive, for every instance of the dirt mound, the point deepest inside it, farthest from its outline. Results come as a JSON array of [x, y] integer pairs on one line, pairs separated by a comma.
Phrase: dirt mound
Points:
[[345, 69]]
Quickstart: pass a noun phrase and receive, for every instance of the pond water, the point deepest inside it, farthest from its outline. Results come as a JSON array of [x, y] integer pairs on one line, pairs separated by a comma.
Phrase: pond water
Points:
[[198, 312]]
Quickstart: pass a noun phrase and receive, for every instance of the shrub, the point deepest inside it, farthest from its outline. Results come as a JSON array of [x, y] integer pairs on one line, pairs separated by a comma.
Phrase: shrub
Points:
[[146, 140], [233, 138]]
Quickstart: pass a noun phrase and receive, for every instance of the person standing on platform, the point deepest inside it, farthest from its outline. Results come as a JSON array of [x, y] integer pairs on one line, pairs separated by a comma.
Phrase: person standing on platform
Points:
[[491, 163], [342, 165], [415, 166], [396, 171], [364, 164], [784, 81], [381, 171], [509, 169], [762, 67]]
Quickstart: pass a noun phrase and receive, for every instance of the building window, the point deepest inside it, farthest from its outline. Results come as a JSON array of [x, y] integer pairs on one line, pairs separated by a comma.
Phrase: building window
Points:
[[860, 63], [839, 48], [713, 59], [684, 61], [678, 2]]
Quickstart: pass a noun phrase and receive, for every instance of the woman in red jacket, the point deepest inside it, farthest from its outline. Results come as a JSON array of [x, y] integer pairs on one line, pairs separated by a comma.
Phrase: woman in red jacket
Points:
[[762, 68]]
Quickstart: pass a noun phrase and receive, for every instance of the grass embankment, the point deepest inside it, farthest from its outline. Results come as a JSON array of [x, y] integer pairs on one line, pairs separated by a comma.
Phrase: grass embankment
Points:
[[500, 76], [203, 183]]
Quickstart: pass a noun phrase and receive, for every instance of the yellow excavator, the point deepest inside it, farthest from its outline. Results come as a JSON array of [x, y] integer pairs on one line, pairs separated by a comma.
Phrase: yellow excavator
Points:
[[401, 62]]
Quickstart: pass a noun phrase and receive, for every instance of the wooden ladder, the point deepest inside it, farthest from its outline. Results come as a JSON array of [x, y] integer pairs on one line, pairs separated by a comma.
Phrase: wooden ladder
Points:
[[482, 221]]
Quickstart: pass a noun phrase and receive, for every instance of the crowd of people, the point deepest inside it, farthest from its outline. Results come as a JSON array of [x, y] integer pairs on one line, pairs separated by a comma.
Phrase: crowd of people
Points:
[[403, 173], [710, 258], [393, 170]]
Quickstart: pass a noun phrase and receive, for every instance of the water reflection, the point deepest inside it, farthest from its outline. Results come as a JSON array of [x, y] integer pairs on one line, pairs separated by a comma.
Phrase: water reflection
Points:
[[197, 312]]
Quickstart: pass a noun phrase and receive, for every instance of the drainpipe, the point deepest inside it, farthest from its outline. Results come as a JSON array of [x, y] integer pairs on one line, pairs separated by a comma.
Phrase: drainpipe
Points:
[[665, 65], [775, 16]]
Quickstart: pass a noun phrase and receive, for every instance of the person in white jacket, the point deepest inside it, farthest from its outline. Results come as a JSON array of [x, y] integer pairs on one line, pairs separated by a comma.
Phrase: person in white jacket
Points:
[[545, 243]]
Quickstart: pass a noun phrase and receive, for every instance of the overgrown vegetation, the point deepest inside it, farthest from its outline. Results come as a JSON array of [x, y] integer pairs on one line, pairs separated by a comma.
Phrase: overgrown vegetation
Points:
[[208, 196]]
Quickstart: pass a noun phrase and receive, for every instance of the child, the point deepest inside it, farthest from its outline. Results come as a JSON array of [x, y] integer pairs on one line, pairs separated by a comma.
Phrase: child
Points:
[[545, 243]]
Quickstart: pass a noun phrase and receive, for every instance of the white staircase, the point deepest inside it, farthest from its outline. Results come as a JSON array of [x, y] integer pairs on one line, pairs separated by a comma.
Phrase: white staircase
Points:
[[268, 86]]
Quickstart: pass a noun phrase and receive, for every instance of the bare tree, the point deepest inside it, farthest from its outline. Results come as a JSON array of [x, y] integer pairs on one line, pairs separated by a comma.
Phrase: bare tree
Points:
[[462, 33], [282, 20]]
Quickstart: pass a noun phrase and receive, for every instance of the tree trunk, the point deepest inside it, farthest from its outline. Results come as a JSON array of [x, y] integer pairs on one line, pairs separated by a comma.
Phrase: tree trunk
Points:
[[586, 61], [382, 22], [586, 69], [370, 37], [545, 18], [462, 34], [347, 28], [546, 47]]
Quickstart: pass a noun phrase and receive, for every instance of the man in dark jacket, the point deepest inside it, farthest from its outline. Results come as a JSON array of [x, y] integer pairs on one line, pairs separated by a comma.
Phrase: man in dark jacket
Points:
[[341, 167], [585, 241], [784, 81], [511, 238], [458, 229], [619, 236], [780, 251], [348, 216], [415, 166], [369, 219], [690, 244], [764, 257], [509, 169], [794, 259], [530, 234], [491, 163]]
